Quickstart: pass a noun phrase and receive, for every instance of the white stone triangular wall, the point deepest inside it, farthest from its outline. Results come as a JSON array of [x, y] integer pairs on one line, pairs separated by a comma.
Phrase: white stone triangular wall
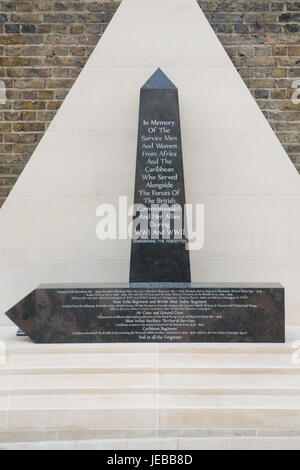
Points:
[[234, 164]]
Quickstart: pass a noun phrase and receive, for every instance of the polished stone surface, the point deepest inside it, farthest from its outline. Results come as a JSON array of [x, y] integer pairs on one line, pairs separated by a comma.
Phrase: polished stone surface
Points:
[[153, 313], [159, 256]]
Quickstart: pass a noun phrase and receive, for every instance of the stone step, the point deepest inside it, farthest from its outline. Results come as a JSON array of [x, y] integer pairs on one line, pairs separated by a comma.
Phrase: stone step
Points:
[[253, 379], [148, 398], [200, 399], [119, 363], [246, 418], [202, 443], [256, 378], [147, 418]]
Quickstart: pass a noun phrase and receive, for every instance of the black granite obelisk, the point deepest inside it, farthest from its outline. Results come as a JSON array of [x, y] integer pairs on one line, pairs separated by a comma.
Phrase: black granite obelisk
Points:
[[159, 251]]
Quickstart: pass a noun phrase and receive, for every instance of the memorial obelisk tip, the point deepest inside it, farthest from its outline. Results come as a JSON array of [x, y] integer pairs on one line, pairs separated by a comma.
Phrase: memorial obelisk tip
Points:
[[159, 80]]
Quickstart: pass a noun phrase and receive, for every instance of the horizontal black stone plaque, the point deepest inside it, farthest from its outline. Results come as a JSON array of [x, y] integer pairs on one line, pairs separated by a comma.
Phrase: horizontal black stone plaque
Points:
[[153, 313]]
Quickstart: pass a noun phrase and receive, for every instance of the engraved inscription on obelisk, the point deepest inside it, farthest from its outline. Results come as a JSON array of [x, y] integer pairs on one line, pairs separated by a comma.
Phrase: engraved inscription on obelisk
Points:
[[159, 243]]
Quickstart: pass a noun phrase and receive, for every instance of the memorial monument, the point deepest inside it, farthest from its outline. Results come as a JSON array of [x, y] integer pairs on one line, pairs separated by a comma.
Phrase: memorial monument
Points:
[[159, 304], [160, 185]]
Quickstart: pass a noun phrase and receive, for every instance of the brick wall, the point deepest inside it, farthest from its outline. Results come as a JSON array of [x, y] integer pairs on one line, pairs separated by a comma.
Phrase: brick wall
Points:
[[45, 44]]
